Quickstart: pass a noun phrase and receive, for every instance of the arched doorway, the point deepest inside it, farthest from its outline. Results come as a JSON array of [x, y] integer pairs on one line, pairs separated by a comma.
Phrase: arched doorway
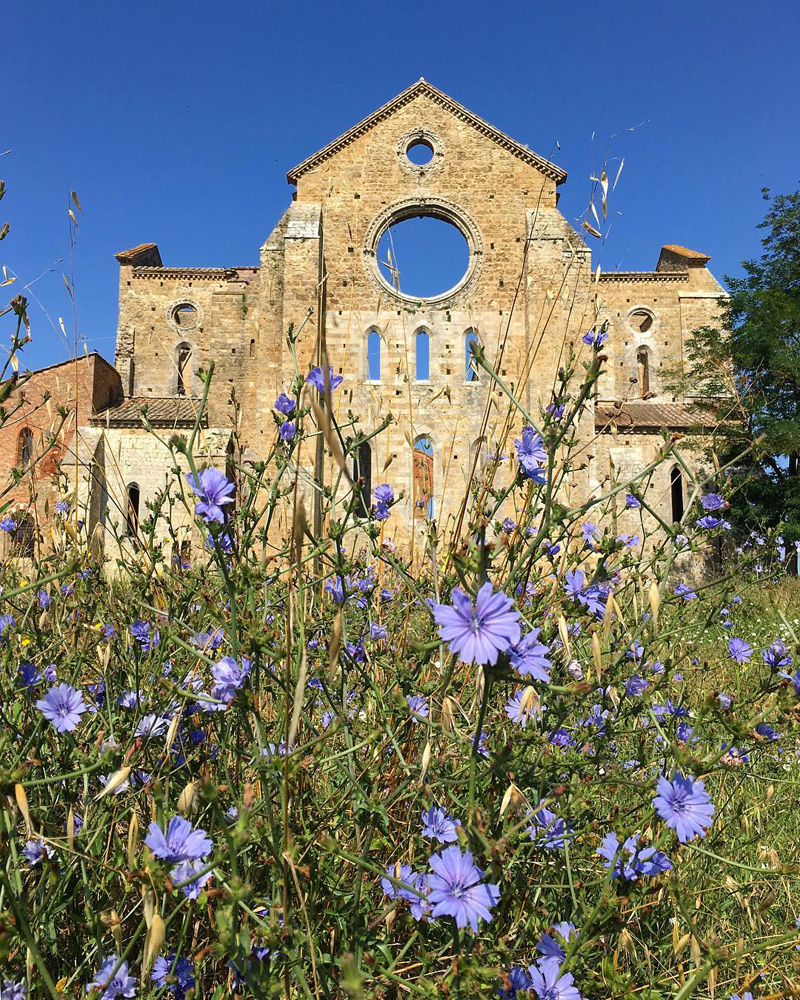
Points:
[[423, 478]]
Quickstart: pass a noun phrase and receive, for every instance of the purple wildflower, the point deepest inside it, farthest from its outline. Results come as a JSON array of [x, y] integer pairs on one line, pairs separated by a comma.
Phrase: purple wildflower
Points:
[[630, 861], [316, 377], [478, 634], [63, 706], [229, 677], [711, 502], [574, 582], [437, 824], [214, 490], [548, 983], [709, 522], [181, 842], [36, 849], [9, 990], [589, 533], [685, 805], [384, 493], [516, 981], [417, 706], [777, 654], [174, 974], [636, 686], [141, 632], [523, 707], [548, 830], [150, 727], [632, 502], [531, 455], [550, 948], [189, 872], [457, 889], [529, 657], [285, 405], [286, 431], [113, 984], [739, 650], [595, 339]]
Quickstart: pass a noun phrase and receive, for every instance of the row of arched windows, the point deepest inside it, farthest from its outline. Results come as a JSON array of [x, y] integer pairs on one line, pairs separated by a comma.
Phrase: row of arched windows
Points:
[[422, 356], [423, 479]]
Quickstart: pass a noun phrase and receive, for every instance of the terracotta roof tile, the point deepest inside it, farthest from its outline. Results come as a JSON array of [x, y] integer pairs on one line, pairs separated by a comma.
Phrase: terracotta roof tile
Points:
[[686, 252], [145, 253], [628, 416], [172, 411]]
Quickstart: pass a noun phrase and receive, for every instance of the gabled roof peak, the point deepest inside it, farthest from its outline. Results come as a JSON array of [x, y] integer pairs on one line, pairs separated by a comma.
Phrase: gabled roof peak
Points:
[[422, 87]]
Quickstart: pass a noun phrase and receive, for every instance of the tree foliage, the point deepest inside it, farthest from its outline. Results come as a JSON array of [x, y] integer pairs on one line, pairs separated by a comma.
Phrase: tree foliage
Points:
[[747, 374]]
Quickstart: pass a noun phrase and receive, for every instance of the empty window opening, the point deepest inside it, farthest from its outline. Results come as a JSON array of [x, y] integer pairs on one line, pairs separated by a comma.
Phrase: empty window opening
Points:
[[471, 365], [25, 455], [641, 320], [676, 492], [420, 152], [423, 346], [132, 510], [362, 477], [643, 371], [184, 316], [374, 356], [423, 478], [183, 362], [423, 257], [24, 537]]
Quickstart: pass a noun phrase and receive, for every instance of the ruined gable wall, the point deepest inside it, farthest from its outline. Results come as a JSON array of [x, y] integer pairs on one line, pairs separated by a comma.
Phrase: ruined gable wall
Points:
[[148, 334], [493, 190]]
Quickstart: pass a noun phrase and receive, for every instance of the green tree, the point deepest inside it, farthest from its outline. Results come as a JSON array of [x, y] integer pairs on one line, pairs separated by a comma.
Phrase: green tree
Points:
[[747, 375]]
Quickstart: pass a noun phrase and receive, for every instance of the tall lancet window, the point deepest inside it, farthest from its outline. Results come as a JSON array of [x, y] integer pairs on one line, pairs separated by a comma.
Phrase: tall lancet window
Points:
[[374, 356]]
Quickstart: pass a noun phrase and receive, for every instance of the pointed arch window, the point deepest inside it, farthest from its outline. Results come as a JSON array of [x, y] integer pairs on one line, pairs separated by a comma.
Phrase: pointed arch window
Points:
[[470, 364], [132, 509], [374, 356], [676, 493], [25, 451], [643, 371], [362, 477], [423, 478], [24, 537], [183, 362], [423, 356]]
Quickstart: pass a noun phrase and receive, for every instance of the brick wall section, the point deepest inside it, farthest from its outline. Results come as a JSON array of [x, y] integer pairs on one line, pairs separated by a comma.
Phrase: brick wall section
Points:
[[81, 387]]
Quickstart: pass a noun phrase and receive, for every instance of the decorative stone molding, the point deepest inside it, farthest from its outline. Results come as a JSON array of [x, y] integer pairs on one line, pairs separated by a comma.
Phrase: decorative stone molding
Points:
[[427, 138], [643, 335], [425, 89], [668, 277], [174, 305], [435, 208]]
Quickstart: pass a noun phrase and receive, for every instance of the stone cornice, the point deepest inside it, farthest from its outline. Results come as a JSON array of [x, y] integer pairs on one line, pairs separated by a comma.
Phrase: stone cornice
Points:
[[668, 276], [418, 89], [211, 273]]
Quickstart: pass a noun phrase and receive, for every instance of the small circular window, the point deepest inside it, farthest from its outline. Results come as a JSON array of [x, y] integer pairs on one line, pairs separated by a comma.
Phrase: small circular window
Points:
[[184, 316], [641, 320], [420, 152]]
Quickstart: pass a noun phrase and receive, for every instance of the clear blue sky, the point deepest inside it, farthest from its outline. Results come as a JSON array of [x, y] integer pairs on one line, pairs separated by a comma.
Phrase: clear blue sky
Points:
[[176, 122]]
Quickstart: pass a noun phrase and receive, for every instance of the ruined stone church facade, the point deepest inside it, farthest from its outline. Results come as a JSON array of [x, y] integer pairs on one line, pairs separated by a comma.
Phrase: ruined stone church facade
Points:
[[528, 294]]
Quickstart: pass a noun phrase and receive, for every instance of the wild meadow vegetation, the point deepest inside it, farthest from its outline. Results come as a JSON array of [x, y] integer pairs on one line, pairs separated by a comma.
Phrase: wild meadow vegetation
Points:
[[545, 758]]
